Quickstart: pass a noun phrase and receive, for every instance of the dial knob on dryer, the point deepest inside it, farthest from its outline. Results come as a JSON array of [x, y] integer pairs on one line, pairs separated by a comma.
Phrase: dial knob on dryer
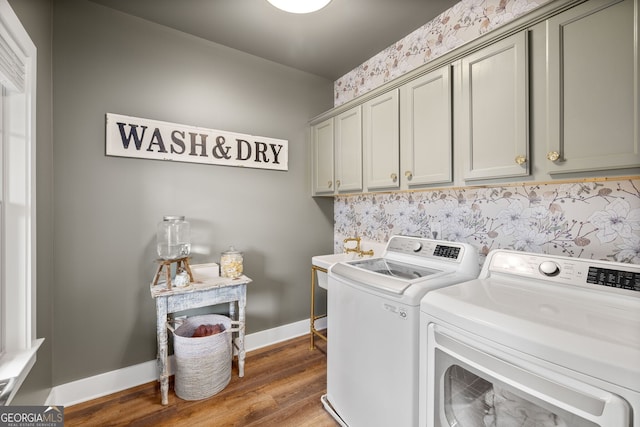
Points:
[[417, 246], [549, 268]]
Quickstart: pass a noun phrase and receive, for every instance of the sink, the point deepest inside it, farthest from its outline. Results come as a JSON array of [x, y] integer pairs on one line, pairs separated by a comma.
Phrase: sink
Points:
[[326, 261]]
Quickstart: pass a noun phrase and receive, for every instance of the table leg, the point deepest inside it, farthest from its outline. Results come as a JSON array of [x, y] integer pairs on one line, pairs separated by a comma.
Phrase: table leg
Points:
[[234, 337], [168, 267], [242, 303], [312, 318], [188, 268], [232, 310], [161, 330], [157, 276]]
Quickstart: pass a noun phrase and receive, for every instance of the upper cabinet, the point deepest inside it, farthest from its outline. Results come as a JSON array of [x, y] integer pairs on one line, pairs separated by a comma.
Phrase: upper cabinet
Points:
[[593, 90], [557, 95], [337, 154], [348, 146], [381, 141], [426, 130], [322, 157], [492, 115]]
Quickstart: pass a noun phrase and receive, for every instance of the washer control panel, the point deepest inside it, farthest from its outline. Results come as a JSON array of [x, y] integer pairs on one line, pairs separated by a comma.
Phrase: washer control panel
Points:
[[575, 271], [425, 248]]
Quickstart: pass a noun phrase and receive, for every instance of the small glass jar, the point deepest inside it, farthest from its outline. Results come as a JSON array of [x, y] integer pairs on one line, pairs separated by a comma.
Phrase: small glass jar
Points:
[[173, 238], [231, 263]]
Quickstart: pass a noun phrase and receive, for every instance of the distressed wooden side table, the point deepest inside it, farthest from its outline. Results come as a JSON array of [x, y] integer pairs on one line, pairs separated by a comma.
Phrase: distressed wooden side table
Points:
[[213, 291]]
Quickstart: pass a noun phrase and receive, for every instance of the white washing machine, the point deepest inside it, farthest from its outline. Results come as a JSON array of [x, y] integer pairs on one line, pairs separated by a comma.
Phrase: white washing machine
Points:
[[535, 341], [374, 318]]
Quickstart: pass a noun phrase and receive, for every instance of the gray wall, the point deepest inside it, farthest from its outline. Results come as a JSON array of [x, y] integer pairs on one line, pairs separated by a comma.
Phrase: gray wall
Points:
[[105, 209]]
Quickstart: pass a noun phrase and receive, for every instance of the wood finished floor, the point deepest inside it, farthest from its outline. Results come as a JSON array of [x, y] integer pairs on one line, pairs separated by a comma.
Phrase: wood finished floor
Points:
[[282, 386]]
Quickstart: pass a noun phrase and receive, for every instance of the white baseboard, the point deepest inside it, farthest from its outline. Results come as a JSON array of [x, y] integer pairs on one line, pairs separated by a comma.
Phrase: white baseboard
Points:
[[111, 382]]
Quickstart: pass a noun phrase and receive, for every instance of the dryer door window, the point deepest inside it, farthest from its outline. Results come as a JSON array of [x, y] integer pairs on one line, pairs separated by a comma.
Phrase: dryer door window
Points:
[[474, 388], [470, 401]]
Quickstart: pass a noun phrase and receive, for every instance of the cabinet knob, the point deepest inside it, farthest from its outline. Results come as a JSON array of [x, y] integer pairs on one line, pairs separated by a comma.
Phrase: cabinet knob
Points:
[[338, 183], [409, 175], [553, 155], [521, 160], [394, 177], [330, 184]]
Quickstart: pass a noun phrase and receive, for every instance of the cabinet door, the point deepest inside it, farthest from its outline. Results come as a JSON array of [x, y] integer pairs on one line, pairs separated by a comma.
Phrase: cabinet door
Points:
[[348, 145], [426, 129], [493, 120], [593, 89], [381, 136], [322, 162]]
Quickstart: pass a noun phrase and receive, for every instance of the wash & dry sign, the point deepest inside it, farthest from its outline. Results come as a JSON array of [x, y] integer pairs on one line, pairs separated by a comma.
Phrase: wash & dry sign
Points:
[[152, 139]]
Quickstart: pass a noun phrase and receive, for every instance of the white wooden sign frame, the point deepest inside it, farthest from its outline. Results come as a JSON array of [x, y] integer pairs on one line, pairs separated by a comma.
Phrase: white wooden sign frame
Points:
[[128, 136]]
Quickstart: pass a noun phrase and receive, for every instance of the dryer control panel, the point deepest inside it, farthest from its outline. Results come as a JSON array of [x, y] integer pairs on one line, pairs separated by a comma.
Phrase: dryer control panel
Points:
[[574, 271]]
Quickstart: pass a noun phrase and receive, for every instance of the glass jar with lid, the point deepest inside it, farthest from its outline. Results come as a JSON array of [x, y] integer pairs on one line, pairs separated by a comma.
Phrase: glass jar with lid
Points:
[[173, 237], [231, 263]]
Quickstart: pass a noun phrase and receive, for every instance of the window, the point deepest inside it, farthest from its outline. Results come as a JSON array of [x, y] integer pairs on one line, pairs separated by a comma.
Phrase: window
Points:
[[18, 343]]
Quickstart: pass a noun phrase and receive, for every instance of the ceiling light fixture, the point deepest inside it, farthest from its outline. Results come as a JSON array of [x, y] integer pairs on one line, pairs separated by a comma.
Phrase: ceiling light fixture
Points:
[[299, 6]]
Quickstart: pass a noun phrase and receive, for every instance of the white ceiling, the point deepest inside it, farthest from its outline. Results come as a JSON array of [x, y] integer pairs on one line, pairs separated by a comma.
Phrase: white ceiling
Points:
[[329, 43]]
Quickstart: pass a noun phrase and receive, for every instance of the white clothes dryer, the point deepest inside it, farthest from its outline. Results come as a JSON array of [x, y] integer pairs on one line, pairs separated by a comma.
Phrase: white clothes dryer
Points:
[[535, 341], [373, 318]]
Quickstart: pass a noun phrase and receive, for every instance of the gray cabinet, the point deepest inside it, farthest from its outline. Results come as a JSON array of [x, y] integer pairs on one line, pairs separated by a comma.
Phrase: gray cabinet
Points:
[[593, 89], [426, 130], [348, 149], [557, 94], [381, 141], [492, 116], [322, 157], [337, 154]]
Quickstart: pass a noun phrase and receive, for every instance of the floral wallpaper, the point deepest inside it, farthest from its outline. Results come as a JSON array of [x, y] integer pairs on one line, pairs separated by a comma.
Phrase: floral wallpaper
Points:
[[598, 220], [465, 21]]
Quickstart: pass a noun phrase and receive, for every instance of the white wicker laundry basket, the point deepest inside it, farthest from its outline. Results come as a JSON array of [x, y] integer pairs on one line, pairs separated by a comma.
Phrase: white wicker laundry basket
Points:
[[203, 364]]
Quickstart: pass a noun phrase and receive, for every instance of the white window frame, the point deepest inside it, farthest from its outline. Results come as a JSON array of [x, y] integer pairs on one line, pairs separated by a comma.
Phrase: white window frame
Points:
[[18, 205]]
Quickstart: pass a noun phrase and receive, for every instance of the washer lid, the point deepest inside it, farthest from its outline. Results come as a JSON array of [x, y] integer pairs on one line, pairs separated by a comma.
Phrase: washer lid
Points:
[[595, 333], [394, 269], [382, 273]]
